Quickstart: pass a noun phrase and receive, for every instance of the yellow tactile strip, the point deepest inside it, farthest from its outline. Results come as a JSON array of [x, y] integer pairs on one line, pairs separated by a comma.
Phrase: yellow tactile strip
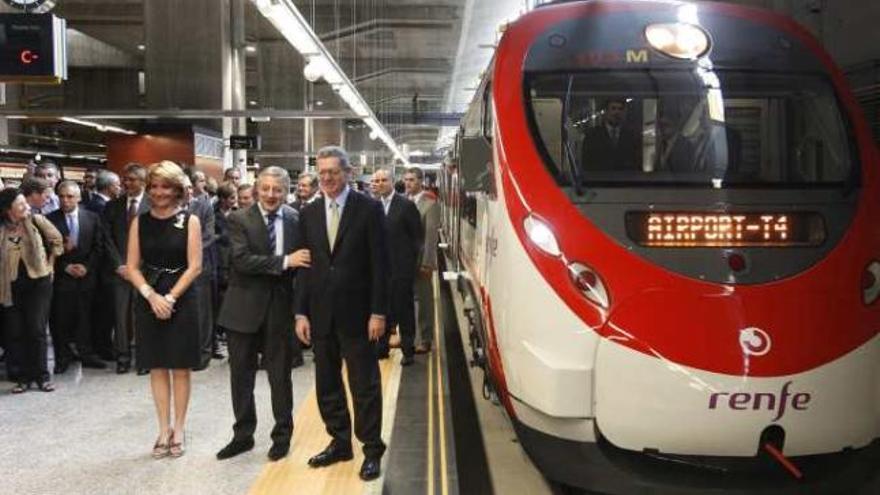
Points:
[[293, 475]]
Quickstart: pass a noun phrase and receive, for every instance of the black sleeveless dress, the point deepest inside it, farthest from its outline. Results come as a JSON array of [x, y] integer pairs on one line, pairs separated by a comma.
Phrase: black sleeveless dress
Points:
[[172, 343]]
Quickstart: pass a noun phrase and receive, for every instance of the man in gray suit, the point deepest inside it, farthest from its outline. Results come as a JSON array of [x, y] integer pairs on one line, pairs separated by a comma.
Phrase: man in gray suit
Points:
[[258, 310], [429, 211]]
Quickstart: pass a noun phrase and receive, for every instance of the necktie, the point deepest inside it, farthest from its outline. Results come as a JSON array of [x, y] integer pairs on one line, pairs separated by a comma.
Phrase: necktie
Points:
[[334, 223], [271, 227], [386, 202], [73, 229], [132, 209]]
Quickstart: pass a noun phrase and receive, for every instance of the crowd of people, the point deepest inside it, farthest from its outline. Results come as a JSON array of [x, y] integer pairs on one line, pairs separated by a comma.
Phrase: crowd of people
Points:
[[189, 264]]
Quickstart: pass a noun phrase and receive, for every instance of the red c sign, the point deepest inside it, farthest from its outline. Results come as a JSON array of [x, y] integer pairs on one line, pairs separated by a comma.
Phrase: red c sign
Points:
[[28, 57]]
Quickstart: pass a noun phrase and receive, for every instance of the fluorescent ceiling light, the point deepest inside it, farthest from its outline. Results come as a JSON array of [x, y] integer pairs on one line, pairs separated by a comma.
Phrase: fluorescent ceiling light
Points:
[[100, 127], [285, 16]]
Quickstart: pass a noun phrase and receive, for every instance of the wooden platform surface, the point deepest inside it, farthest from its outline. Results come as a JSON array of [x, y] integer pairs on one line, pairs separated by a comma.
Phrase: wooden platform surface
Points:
[[293, 475]]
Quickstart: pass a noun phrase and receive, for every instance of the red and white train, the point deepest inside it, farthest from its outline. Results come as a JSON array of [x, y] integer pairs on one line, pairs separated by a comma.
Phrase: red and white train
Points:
[[665, 218]]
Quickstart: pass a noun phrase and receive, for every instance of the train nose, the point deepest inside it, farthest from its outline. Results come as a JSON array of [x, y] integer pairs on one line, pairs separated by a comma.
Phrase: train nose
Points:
[[698, 391]]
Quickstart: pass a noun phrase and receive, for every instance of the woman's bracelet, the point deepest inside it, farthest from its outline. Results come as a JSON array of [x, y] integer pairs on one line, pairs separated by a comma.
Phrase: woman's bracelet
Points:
[[146, 290]]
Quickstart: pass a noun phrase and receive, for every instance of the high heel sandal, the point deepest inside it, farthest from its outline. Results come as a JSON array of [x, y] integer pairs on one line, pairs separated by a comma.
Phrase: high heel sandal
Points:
[[176, 449], [161, 449]]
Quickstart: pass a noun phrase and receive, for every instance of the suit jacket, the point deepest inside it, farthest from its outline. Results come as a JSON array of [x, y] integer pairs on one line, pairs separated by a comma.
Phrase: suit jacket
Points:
[[256, 271], [222, 244], [405, 237], [600, 153], [116, 229], [96, 204], [351, 283], [39, 241], [297, 204], [203, 210], [87, 251], [429, 211]]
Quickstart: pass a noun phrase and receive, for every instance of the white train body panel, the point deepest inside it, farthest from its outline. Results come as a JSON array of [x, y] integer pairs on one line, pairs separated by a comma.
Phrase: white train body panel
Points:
[[646, 402]]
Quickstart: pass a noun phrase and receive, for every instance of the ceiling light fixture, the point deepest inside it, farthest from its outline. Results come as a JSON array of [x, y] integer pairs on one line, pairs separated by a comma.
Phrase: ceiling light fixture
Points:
[[100, 127], [284, 15]]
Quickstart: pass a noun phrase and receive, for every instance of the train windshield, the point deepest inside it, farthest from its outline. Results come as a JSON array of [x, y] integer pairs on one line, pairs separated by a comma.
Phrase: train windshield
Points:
[[698, 128]]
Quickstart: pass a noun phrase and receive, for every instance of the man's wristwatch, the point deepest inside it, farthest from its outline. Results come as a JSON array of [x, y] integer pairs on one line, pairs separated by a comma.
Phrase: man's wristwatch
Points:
[[170, 298]]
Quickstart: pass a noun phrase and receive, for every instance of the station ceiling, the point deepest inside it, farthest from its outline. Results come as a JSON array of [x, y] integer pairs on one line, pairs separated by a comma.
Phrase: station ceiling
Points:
[[415, 62]]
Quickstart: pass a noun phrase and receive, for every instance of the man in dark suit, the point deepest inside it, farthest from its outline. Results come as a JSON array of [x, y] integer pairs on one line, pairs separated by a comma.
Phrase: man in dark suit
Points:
[[75, 275], [258, 310], [107, 188], [117, 217], [201, 208], [342, 303], [88, 185], [306, 190], [405, 238], [226, 200], [610, 146]]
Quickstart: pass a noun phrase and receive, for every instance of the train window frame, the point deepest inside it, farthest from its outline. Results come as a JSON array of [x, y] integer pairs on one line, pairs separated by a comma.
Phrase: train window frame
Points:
[[841, 134]]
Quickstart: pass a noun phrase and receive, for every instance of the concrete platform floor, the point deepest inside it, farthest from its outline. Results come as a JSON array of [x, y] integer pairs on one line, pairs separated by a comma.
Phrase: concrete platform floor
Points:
[[94, 435]]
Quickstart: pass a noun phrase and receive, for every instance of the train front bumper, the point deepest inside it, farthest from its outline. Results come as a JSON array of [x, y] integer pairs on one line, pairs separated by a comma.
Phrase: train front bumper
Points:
[[645, 402]]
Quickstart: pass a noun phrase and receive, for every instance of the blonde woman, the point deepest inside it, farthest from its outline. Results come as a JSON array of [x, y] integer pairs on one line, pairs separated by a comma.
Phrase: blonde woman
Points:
[[164, 258]]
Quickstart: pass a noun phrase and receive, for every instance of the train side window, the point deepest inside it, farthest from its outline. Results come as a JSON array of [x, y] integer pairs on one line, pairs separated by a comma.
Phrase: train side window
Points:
[[489, 134], [488, 114]]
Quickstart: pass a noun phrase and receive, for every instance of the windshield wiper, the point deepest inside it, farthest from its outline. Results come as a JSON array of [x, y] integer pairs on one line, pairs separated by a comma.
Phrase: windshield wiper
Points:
[[574, 174]]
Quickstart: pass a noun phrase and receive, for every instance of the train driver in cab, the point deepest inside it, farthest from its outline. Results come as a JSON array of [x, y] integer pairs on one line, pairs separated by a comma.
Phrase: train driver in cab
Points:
[[610, 145]]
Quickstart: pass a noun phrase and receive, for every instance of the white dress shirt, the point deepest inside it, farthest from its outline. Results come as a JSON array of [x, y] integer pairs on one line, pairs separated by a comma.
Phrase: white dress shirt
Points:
[[386, 202]]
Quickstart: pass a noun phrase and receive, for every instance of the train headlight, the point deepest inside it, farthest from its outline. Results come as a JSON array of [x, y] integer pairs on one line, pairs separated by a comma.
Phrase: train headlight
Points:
[[871, 282], [678, 40], [541, 235], [589, 283]]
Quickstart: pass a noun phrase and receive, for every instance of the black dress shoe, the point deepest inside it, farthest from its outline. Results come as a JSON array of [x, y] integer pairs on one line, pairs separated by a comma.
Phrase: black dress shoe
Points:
[[143, 371], [371, 468], [331, 455], [279, 450], [122, 368], [407, 360], [92, 361], [234, 448], [216, 354], [297, 363]]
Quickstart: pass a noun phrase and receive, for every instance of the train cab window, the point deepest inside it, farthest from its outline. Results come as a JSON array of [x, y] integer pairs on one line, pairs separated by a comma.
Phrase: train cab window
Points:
[[702, 128]]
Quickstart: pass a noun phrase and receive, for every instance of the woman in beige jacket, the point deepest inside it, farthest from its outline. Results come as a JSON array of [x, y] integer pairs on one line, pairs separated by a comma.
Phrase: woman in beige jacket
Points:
[[28, 247]]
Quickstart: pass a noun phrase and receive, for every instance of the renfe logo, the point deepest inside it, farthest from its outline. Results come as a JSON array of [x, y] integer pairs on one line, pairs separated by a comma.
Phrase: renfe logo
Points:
[[741, 401]]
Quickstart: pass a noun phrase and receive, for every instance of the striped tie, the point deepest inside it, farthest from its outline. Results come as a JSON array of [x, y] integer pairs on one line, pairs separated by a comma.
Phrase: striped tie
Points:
[[271, 227]]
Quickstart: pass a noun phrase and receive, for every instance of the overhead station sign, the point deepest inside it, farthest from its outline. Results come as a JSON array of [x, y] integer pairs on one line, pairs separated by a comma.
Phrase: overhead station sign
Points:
[[244, 142], [33, 48]]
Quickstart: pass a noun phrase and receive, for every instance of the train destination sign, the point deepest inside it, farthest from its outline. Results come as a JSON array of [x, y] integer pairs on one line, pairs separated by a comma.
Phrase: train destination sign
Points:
[[700, 229]]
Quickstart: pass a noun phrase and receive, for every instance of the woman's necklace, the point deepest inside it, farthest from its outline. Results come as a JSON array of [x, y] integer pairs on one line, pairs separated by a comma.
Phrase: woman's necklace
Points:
[[15, 234]]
